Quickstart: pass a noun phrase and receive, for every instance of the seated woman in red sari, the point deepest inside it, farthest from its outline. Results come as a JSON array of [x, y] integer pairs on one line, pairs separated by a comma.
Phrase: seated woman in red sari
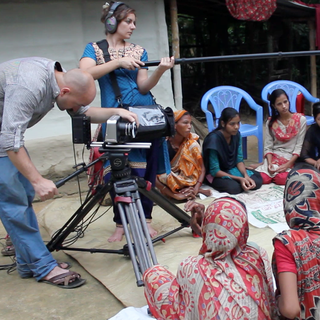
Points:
[[297, 250], [229, 279], [187, 169]]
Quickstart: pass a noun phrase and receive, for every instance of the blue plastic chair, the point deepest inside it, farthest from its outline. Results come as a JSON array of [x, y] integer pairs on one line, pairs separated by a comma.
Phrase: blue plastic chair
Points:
[[292, 89], [228, 96]]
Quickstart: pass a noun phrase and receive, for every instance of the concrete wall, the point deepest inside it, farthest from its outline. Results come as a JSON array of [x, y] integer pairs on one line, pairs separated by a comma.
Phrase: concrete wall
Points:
[[59, 30]]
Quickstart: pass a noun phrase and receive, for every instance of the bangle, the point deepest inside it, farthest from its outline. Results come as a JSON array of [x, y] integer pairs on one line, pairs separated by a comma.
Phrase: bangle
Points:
[[199, 182]]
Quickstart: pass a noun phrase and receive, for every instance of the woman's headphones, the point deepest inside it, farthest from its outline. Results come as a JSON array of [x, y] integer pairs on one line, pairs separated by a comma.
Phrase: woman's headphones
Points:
[[111, 22]]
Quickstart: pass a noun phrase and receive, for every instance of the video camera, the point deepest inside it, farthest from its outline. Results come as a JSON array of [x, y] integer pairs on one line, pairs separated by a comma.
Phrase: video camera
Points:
[[154, 122]]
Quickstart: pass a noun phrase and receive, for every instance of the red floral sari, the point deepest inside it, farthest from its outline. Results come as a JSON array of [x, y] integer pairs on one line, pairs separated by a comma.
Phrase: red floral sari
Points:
[[292, 130], [227, 280]]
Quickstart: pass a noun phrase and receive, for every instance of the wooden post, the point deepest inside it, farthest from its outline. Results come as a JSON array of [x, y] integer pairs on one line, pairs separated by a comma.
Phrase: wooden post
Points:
[[270, 49], [177, 87], [313, 65]]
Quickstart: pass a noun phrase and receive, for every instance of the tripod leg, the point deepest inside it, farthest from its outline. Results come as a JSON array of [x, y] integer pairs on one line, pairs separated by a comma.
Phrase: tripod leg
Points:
[[130, 245], [146, 231], [138, 238], [135, 227], [137, 246]]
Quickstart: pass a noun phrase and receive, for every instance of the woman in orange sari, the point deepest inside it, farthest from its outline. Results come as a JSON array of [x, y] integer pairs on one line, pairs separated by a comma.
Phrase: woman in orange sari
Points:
[[229, 279], [187, 168]]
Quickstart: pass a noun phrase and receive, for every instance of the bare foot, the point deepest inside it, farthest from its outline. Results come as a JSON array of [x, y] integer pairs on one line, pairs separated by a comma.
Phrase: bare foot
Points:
[[152, 232], [117, 235], [56, 271], [206, 192]]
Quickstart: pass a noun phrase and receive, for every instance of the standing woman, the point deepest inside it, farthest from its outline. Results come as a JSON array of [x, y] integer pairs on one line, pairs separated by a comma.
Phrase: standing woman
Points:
[[310, 152], [283, 139], [126, 65], [223, 158], [187, 168]]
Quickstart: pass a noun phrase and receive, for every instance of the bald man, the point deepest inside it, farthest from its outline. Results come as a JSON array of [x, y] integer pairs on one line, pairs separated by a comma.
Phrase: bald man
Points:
[[29, 88]]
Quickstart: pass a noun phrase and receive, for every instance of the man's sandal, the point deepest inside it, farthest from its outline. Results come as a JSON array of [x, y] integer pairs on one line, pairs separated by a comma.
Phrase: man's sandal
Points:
[[62, 265], [67, 280], [8, 251]]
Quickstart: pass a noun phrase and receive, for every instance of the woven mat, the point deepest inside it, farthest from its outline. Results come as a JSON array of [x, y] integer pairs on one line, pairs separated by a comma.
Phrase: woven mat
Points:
[[115, 271]]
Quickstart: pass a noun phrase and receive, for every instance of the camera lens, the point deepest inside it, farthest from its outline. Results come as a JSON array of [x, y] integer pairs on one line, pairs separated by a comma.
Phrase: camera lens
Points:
[[127, 129]]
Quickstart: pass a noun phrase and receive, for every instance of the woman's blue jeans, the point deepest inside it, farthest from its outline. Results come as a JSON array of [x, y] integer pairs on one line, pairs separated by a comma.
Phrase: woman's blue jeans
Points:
[[20, 222]]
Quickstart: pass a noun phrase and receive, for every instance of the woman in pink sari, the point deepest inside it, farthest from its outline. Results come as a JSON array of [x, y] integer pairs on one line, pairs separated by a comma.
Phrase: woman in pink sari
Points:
[[229, 279]]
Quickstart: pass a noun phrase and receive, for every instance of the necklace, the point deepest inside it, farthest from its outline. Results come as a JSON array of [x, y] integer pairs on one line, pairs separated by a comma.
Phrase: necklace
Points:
[[174, 144], [124, 49], [116, 52]]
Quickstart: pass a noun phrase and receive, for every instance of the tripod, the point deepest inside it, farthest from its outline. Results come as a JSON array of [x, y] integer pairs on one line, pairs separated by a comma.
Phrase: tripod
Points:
[[127, 189]]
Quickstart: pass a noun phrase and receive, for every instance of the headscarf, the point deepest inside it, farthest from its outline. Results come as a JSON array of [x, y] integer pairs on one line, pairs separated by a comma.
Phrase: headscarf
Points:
[[302, 199], [179, 114], [228, 280], [225, 229], [301, 209]]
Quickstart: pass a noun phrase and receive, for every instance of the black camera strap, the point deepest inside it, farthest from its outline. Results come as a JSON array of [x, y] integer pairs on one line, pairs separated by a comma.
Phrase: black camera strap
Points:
[[103, 45]]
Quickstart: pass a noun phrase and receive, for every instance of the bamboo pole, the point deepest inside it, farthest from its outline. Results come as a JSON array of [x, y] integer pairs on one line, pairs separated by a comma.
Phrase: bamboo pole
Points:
[[177, 87], [313, 65]]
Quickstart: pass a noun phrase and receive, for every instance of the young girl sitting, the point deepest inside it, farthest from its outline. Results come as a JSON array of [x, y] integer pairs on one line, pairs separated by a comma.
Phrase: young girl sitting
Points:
[[283, 139], [222, 154]]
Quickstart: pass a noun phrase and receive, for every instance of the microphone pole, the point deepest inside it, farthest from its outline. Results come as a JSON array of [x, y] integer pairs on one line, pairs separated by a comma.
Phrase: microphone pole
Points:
[[239, 57]]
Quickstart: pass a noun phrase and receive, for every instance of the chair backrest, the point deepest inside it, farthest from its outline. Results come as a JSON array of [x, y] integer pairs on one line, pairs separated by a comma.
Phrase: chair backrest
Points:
[[291, 88], [222, 97]]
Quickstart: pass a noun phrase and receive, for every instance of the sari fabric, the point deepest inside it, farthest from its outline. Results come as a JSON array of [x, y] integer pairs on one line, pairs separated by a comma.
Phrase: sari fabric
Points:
[[282, 142], [292, 129], [301, 208], [185, 166], [227, 280]]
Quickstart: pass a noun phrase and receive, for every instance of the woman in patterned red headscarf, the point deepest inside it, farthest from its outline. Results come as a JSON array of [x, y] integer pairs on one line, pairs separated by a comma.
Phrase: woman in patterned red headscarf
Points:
[[296, 260], [229, 279]]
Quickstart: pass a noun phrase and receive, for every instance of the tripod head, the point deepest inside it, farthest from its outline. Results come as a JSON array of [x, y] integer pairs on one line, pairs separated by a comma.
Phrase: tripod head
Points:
[[118, 154]]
